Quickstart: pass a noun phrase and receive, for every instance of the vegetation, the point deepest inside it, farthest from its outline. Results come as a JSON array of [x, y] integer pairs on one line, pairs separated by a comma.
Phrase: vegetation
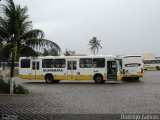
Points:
[[50, 52], [94, 45], [20, 90], [5, 88], [67, 53], [17, 38]]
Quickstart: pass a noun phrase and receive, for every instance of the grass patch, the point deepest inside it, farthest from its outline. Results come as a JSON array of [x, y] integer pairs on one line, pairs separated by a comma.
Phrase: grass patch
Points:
[[5, 87]]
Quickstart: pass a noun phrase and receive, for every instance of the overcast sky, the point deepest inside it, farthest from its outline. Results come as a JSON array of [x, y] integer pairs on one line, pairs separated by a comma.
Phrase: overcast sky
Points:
[[123, 26]]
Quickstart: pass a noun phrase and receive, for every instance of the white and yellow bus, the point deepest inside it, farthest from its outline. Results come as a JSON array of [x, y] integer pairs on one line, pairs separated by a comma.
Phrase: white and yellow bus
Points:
[[56, 68], [132, 66], [152, 64]]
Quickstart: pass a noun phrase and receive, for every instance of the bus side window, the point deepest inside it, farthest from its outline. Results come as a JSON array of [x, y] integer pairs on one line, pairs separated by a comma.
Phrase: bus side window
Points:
[[85, 63], [59, 63], [98, 62], [47, 63], [25, 63]]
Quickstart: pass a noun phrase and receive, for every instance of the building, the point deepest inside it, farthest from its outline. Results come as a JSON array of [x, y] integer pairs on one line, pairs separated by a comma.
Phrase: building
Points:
[[148, 56]]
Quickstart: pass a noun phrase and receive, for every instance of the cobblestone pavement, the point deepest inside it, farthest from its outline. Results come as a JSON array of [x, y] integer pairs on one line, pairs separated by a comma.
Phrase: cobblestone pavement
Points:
[[78, 97]]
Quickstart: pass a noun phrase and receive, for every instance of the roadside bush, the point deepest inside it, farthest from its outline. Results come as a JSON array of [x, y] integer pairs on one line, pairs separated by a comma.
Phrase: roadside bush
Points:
[[20, 90], [5, 88], [157, 68]]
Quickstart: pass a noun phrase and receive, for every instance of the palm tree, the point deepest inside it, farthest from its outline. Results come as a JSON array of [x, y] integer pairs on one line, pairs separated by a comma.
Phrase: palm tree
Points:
[[95, 45], [17, 36], [52, 52], [67, 53]]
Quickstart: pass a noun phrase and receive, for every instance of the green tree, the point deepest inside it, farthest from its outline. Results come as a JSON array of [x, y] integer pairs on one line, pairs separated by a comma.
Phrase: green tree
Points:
[[17, 36], [94, 45], [67, 53], [50, 52]]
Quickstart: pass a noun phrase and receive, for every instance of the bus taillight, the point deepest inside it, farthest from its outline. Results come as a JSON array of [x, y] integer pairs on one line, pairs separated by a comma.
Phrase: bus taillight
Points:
[[141, 70]]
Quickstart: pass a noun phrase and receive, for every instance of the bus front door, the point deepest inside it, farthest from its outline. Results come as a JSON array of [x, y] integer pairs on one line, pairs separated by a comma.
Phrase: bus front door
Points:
[[35, 70], [111, 70], [71, 70]]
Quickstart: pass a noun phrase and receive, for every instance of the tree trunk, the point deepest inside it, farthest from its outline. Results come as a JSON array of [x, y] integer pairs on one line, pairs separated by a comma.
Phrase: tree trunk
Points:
[[12, 64], [12, 73]]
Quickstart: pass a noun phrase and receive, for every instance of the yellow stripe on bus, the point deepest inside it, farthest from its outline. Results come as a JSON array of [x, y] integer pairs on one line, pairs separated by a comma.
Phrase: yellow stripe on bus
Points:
[[133, 75], [63, 77], [41, 77]]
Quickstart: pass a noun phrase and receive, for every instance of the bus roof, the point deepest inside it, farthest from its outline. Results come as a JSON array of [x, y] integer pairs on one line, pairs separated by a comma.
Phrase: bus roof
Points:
[[71, 57], [127, 56]]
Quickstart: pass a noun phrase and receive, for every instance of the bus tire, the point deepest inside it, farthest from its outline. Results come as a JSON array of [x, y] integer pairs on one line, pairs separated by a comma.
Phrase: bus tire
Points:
[[157, 68], [98, 79], [49, 78]]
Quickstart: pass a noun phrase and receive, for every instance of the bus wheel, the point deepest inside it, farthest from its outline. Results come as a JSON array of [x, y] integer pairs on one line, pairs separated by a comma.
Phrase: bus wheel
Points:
[[49, 79], [98, 79], [157, 68]]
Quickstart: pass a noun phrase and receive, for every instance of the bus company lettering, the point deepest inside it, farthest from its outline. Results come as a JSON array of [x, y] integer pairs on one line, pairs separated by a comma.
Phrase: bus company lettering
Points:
[[52, 70]]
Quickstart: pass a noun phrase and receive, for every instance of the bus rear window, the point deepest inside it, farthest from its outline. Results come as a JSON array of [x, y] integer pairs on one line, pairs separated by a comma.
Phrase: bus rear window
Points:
[[132, 65]]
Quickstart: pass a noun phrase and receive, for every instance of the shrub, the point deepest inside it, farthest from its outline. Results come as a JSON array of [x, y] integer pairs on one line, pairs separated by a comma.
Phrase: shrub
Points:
[[5, 87], [20, 90]]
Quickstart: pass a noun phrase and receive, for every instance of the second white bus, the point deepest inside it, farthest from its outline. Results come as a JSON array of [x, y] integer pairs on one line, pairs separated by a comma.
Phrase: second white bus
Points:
[[152, 64], [132, 66], [56, 68]]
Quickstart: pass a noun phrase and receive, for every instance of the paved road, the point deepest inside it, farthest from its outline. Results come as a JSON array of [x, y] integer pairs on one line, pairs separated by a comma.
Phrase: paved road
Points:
[[86, 97]]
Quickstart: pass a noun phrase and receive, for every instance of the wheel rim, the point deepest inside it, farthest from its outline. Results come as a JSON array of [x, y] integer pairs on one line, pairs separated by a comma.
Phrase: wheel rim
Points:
[[98, 79], [49, 79]]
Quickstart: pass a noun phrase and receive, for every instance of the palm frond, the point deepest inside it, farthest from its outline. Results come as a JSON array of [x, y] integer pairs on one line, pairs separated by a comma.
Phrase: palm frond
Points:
[[25, 27], [36, 33], [5, 51], [95, 45], [28, 51], [41, 43], [3, 33], [16, 28], [3, 22]]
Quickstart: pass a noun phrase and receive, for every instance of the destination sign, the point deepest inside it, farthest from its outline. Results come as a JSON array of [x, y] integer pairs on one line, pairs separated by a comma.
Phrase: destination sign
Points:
[[52, 70]]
